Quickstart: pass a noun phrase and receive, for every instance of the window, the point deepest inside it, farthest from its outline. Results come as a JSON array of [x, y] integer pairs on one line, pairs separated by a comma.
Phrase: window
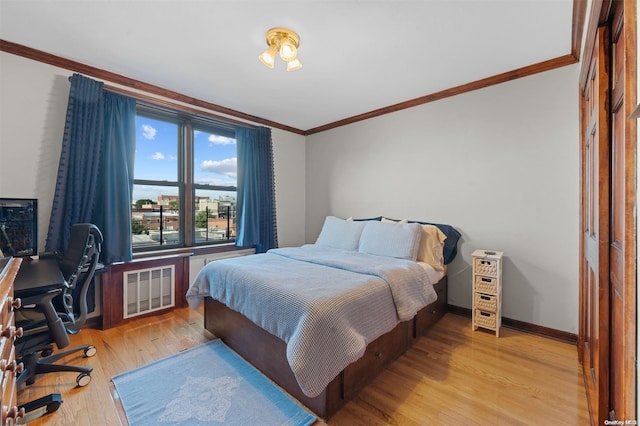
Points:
[[184, 191]]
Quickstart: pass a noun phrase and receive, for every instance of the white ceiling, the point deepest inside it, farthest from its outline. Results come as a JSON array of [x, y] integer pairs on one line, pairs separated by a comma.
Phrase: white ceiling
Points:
[[357, 55]]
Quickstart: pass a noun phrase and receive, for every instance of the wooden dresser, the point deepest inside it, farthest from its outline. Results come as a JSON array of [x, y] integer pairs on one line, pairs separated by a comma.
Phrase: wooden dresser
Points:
[[8, 333]]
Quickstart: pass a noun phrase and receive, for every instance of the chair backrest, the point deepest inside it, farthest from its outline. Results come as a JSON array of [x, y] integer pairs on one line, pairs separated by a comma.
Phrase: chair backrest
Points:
[[80, 247], [78, 265]]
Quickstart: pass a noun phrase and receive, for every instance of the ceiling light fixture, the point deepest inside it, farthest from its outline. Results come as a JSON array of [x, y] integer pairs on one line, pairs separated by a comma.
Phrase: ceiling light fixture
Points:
[[286, 43]]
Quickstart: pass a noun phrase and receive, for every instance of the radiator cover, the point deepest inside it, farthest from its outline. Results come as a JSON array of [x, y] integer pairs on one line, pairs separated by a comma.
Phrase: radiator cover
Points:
[[148, 290]]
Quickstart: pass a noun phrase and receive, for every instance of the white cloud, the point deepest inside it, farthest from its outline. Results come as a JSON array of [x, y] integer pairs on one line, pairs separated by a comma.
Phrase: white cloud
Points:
[[158, 156], [149, 132], [227, 167], [221, 140]]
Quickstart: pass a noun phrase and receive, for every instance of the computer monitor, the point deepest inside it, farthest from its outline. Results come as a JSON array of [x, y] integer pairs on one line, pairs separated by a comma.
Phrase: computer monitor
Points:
[[19, 226]]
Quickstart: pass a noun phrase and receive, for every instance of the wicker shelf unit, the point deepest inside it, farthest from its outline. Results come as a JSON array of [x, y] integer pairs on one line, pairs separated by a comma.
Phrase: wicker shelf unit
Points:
[[487, 290]]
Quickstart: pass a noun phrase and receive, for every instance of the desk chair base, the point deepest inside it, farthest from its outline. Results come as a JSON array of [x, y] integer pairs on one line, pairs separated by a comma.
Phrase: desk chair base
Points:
[[50, 402], [34, 365]]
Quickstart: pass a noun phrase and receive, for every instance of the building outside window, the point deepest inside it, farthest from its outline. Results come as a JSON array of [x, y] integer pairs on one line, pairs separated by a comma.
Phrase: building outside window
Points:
[[185, 178]]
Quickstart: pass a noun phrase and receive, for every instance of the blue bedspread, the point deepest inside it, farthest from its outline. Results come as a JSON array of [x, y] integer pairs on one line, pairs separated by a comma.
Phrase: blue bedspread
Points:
[[326, 304]]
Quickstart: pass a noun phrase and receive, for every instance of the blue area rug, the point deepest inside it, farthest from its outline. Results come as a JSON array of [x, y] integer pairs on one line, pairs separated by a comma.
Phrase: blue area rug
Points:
[[206, 385]]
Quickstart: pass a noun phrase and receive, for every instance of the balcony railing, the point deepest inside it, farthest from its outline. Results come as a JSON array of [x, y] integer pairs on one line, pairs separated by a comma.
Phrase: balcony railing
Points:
[[161, 227]]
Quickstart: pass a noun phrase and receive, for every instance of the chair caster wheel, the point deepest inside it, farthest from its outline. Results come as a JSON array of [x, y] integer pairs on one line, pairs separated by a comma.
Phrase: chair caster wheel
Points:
[[83, 379], [90, 351], [53, 406]]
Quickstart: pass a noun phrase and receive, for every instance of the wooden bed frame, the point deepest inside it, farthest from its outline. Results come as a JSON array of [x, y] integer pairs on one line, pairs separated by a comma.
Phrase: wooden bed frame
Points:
[[268, 353]]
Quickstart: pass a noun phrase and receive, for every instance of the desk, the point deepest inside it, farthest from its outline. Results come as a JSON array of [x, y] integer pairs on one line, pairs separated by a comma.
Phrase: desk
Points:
[[35, 276]]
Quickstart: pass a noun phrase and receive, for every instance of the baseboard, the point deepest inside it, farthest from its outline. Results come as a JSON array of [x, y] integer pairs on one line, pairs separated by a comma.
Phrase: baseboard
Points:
[[539, 330]]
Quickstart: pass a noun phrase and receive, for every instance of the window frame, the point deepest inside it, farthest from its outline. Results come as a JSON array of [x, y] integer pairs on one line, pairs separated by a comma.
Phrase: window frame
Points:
[[188, 123]]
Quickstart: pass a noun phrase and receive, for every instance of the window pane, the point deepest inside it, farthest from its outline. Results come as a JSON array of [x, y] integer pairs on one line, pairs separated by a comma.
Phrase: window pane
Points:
[[155, 216], [214, 158], [156, 149], [215, 216]]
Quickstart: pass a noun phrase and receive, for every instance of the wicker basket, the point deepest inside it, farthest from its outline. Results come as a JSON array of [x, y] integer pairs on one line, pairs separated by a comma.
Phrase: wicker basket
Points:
[[486, 285], [486, 302], [485, 267], [486, 319]]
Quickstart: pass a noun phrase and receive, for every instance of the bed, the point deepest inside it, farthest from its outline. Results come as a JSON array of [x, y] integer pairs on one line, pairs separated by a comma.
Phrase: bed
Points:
[[321, 320]]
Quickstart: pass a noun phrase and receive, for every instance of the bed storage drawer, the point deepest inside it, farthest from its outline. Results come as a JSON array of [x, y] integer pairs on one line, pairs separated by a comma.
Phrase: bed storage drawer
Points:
[[379, 353], [432, 313], [389, 347]]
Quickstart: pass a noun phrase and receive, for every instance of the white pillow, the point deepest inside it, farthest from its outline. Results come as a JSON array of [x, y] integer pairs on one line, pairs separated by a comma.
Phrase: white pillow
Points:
[[384, 219], [391, 239], [340, 233], [431, 247]]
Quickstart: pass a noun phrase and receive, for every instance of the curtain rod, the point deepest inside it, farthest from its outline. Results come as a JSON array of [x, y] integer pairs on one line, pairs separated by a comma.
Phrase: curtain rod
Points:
[[172, 106]]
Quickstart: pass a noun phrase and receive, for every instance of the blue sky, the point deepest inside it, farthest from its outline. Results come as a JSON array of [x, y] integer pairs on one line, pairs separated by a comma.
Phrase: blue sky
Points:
[[157, 156]]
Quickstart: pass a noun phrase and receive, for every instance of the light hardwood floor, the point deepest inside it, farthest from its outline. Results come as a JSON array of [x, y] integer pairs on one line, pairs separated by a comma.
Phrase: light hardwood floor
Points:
[[450, 376]]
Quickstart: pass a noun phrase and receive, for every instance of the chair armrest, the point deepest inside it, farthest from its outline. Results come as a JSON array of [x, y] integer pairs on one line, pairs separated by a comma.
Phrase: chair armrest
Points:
[[43, 304]]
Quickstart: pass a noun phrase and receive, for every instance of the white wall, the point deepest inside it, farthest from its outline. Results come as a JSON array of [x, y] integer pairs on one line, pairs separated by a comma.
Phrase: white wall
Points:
[[289, 157], [500, 164], [33, 105]]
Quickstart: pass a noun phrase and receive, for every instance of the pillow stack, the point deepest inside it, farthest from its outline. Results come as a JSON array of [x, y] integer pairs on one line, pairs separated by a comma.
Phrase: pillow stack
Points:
[[398, 239]]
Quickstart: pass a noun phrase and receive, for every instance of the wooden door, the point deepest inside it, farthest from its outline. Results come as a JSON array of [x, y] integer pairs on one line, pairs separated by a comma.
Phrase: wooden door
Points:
[[608, 258], [594, 239], [622, 256]]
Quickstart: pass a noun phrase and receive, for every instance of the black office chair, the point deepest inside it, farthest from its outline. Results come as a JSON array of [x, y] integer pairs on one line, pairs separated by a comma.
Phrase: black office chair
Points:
[[48, 318]]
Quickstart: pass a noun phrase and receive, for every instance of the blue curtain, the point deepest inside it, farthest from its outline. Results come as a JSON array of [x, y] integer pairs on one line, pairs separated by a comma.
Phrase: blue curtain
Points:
[[95, 174], [74, 196], [256, 205], [113, 205]]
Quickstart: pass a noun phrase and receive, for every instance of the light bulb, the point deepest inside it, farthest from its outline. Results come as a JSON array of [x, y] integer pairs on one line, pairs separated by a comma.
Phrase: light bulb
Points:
[[294, 65], [288, 51], [268, 57]]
